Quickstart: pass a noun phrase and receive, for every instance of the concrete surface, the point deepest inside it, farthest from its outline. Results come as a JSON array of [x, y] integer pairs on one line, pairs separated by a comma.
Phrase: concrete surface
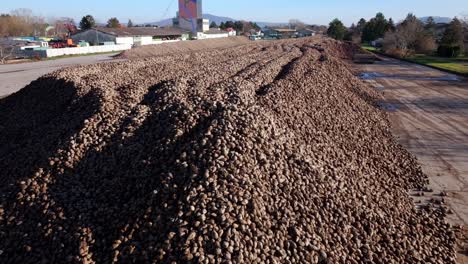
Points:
[[14, 77], [429, 115]]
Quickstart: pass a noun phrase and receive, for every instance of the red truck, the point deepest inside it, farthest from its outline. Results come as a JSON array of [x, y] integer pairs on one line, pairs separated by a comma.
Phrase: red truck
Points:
[[60, 44]]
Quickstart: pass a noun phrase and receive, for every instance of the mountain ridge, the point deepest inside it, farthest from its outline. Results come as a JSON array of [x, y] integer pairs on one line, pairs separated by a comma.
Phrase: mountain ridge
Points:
[[213, 18], [437, 19]]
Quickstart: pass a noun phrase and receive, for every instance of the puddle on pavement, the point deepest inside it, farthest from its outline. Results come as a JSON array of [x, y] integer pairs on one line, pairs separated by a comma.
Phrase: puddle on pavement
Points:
[[377, 75], [370, 75], [388, 107], [379, 87], [375, 85]]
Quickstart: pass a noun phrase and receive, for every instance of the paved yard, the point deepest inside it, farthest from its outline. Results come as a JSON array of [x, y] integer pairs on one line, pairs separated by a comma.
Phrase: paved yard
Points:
[[429, 115], [14, 77]]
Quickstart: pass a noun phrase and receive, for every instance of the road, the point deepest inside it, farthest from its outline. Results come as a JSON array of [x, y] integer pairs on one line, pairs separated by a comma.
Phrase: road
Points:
[[429, 116], [14, 77]]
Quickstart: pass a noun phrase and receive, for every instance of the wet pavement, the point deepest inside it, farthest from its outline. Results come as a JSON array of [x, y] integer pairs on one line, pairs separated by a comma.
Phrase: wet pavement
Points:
[[428, 110]]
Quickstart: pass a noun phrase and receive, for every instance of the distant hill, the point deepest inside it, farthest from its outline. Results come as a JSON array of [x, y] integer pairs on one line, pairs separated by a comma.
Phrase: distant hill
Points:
[[270, 24], [217, 19], [437, 19], [162, 23]]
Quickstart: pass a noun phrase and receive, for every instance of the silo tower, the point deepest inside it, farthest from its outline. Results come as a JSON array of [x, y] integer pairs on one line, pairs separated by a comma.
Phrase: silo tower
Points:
[[190, 16]]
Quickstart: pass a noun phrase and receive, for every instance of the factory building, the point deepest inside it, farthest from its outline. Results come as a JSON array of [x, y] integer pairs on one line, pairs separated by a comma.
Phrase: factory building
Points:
[[190, 17]]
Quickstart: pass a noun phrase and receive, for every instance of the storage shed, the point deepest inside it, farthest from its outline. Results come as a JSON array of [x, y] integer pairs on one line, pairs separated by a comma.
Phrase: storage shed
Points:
[[133, 36], [278, 33], [305, 32], [213, 33]]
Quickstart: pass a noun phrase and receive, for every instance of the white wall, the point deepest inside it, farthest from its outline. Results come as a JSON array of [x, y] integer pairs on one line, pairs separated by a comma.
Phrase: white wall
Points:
[[212, 36], [124, 40], [146, 40], [158, 42], [206, 25], [75, 51]]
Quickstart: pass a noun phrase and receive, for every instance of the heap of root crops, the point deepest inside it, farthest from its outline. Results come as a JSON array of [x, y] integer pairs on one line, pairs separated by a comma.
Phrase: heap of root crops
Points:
[[270, 152], [183, 46]]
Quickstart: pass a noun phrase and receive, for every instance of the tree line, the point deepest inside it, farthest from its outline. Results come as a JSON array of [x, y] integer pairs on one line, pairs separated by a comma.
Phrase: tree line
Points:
[[406, 38], [23, 22], [239, 26], [88, 22]]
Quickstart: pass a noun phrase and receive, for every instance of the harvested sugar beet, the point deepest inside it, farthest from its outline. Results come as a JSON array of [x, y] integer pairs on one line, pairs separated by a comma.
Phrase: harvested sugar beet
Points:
[[176, 158]]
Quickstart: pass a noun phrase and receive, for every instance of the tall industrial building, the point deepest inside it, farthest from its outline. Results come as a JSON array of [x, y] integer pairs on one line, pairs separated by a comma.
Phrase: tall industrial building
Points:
[[190, 16]]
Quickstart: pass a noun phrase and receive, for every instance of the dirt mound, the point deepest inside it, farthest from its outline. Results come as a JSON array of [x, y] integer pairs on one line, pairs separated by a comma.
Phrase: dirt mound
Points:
[[264, 153], [183, 46]]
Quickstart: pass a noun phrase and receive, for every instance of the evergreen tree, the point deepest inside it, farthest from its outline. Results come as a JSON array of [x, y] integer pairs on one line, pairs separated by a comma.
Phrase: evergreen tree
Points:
[[238, 26], [452, 41], [381, 25], [255, 26], [336, 29], [430, 22], [213, 25], [360, 26], [87, 22], [130, 23], [430, 26], [113, 23], [391, 25], [228, 24], [375, 28], [350, 33]]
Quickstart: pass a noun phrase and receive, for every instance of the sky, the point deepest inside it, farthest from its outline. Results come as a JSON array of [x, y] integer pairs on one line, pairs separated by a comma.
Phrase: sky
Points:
[[309, 11]]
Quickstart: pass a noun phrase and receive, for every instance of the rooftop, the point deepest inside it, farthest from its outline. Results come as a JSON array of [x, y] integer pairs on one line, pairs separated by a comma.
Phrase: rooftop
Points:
[[142, 31], [215, 31], [284, 30]]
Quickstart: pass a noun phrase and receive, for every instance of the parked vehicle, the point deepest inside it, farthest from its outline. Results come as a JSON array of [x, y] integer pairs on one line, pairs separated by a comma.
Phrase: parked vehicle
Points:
[[60, 44], [57, 44]]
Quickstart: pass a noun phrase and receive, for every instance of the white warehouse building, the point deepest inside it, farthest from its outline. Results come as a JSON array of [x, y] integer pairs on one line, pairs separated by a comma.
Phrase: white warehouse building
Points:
[[133, 36]]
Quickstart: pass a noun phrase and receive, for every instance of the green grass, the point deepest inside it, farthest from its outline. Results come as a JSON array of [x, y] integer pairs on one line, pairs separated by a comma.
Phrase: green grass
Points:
[[368, 47], [458, 65]]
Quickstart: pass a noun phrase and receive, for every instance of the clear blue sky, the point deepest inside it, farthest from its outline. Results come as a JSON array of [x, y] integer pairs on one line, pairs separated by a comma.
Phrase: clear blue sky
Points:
[[309, 11]]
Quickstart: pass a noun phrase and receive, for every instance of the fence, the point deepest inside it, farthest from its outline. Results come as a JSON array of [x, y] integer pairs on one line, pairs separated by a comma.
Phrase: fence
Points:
[[48, 53]]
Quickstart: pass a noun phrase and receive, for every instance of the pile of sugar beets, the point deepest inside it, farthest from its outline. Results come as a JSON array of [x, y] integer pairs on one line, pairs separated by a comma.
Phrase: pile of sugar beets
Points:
[[271, 152]]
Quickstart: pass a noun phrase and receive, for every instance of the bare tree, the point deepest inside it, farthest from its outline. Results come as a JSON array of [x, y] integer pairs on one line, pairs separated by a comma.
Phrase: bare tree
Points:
[[63, 26], [296, 24], [4, 24], [426, 44], [6, 52], [406, 38], [38, 26], [13, 26], [25, 13], [21, 22], [464, 18], [465, 21]]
